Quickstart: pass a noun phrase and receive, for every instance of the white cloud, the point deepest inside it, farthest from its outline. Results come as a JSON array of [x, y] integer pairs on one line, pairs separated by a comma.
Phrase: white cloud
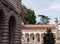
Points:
[[45, 7], [52, 7]]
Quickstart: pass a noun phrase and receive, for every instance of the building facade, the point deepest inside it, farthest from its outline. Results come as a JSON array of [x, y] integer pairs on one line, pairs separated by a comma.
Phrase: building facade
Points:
[[33, 34], [10, 22]]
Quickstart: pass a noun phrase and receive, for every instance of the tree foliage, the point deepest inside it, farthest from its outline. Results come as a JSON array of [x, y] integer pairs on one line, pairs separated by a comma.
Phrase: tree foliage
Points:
[[28, 15], [44, 19], [48, 37]]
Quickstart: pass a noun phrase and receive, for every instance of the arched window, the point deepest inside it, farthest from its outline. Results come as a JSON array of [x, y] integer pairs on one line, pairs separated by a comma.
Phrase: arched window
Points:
[[32, 36], [27, 37], [38, 37]]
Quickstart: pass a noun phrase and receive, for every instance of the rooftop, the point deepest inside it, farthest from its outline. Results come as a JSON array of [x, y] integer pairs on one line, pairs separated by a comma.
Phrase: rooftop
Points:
[[30, 26]]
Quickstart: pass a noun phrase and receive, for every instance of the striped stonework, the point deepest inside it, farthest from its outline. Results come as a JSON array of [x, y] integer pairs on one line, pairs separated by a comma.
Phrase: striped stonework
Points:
[[10, 24]]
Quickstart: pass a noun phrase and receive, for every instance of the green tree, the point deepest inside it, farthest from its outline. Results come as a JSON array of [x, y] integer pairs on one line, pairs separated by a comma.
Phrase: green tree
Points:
[[43, 19], [28, 15], [24, 13], [48, 37]]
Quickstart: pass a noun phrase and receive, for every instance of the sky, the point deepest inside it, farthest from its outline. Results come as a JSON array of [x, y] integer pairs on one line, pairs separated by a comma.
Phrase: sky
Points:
[[49, 8]]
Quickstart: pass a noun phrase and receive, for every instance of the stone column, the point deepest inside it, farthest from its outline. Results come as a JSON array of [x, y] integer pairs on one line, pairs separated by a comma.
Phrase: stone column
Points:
[[40, 39]]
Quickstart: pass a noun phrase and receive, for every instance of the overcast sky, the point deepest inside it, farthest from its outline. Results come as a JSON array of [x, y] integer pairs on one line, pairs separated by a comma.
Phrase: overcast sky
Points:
[[50, 8]]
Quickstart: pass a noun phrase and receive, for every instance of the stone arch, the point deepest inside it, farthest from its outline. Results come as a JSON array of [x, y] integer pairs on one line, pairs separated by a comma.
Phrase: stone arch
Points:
[[27, 35], [38, 37], [12, 27], [32, 36]]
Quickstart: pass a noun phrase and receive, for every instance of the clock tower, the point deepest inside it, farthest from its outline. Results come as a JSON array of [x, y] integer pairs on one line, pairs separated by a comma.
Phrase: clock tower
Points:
[[56, 21], [57, 31]]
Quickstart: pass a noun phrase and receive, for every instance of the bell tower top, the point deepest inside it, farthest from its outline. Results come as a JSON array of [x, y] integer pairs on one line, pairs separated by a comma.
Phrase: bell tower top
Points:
[[56, 20]]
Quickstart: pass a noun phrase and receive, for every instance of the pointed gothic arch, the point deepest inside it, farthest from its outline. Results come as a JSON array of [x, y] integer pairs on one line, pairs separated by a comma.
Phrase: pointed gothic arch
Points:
[[12, 27]]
